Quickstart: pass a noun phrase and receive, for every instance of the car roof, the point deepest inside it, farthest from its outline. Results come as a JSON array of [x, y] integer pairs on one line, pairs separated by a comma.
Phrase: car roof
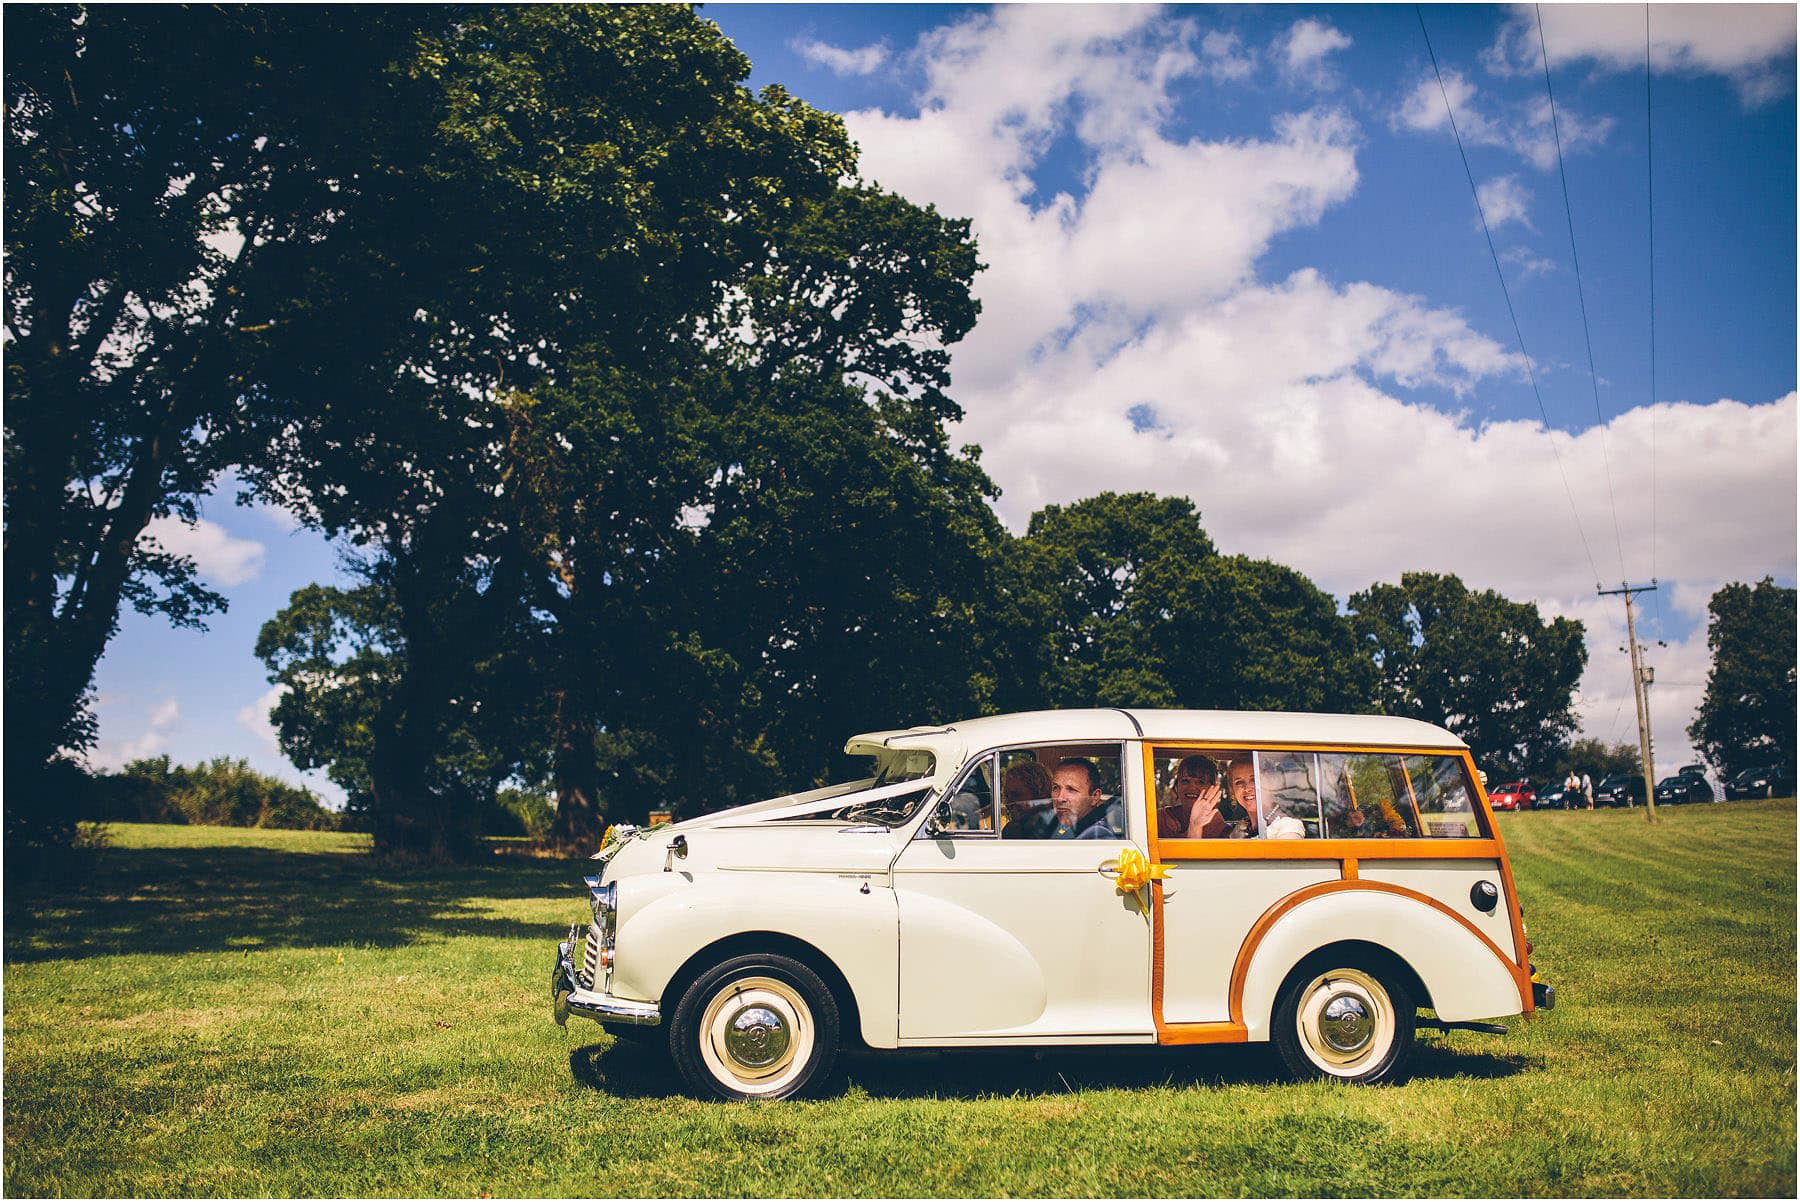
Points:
[[1246, 727]]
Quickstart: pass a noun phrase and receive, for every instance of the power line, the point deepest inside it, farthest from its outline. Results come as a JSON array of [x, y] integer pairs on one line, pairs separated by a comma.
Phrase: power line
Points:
[[1530, 371], [1650, 192], [1581, 295]]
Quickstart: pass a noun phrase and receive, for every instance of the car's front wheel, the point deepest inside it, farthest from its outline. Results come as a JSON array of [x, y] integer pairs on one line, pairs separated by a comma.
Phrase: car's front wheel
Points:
[[758, 1026], [1347, 1021]]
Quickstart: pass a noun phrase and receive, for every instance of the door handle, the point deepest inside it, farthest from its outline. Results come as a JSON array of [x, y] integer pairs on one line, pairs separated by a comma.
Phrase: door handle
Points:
[[1131, 871]]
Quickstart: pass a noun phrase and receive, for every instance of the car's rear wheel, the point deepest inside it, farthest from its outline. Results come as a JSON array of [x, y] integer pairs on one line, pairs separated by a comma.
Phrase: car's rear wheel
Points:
[[758, 1026], [1346, 1020]]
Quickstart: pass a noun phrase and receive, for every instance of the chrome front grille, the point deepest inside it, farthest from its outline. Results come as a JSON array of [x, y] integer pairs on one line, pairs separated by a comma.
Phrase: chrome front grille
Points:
[[590, 958]]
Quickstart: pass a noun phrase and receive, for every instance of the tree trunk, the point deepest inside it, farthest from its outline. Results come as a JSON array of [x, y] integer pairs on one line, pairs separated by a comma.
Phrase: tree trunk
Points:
[[578, 810], [411, 819]]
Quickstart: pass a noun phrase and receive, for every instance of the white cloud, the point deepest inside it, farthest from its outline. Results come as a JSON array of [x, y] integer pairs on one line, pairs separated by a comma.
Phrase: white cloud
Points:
[[1224, 58], [256, 719], [166, 713], [218, 555], [1750, 44], [1164, 222], [1306, 46], [152, 740], [1127, 342], [862, 61], [281, 518], [1505, 199], [1526, 262], [1528, 130]]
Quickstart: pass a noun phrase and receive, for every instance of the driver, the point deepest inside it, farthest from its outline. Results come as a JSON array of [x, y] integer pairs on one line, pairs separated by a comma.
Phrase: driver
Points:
[[1083, 811]]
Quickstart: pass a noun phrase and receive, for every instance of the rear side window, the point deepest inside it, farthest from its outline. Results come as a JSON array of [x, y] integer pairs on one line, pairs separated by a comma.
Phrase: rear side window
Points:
[[1441, 794], [1298, 794], [1365, 796]]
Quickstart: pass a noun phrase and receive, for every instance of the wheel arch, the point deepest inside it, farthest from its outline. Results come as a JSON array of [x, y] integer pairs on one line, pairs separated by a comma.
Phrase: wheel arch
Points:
[[1359, 953], [747, 943], [1445, 964]]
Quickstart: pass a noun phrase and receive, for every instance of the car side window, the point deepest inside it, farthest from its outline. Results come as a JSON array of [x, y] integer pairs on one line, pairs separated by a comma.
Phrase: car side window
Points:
[[1366, 796], [1441, 793], [1065, 791], [1288, 783]]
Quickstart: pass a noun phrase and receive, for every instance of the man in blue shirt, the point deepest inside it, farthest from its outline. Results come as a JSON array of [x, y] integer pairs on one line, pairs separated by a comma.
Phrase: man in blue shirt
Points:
[[1083, 811]]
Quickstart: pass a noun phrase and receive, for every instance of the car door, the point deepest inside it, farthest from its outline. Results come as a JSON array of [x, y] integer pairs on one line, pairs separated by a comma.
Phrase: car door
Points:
[[1020, 940]]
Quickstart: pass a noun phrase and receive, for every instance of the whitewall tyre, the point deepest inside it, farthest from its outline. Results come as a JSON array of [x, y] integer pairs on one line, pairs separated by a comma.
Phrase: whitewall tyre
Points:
[[758, 1026], [1345, 1022]]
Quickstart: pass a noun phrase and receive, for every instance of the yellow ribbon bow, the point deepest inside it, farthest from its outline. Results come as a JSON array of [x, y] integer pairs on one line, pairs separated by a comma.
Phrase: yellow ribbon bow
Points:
[[1135, 871]]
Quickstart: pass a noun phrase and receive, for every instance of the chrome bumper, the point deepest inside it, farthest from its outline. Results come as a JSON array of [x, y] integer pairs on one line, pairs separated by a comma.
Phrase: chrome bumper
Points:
[[567, 997]]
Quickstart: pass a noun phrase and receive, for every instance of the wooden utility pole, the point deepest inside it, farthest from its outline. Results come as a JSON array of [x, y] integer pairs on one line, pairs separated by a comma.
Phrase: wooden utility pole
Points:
[[1639, 691]]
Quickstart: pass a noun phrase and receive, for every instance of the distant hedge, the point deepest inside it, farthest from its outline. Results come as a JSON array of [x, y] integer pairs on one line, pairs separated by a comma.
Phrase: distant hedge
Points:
[[219, 792]]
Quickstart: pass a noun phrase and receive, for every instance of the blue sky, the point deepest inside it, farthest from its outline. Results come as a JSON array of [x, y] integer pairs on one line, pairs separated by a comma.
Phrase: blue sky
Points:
[[1232, 254]]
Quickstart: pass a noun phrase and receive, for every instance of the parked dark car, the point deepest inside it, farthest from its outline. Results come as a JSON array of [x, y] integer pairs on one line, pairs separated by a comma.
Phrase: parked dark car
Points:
[[1770, 780], [1681, 789], [1518, 795], [1557, 797], [1621, 790]]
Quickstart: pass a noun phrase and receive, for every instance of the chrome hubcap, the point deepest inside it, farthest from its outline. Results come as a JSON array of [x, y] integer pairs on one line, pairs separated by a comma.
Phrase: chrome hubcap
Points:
[[756, 1037], [1345, 1023]]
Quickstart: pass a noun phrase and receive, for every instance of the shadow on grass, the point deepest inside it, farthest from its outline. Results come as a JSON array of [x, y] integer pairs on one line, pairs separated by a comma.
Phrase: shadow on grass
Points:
[[175, 901], [627, 1070]]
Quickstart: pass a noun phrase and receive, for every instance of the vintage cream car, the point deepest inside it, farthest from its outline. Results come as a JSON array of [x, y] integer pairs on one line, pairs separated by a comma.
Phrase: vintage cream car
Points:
[[1098, 876]]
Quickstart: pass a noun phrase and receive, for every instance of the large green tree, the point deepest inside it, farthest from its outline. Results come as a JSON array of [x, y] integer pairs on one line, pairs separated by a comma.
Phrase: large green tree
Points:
[[1489, 669], [166, 169], [607, 276], [1747, 716]]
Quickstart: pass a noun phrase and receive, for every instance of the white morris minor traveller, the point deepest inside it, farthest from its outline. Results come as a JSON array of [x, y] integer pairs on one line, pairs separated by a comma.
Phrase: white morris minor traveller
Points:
[[1071, 877]]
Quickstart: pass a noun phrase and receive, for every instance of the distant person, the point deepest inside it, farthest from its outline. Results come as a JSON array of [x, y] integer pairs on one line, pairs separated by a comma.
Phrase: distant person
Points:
[[1025, 806], [1587, 789], [1083, 810]]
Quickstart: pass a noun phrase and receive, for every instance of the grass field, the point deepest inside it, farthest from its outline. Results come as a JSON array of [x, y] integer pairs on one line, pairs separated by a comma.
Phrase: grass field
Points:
[[252, 1013]]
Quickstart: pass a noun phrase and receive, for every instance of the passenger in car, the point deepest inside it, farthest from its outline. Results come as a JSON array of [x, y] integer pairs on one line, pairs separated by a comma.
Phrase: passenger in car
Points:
[[1026, 810], [1194, 810], [1241, 777], [1083, 811]]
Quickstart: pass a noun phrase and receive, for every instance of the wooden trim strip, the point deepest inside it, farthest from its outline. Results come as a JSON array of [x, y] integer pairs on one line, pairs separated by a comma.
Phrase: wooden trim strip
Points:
[[1156, 898], [1240, 971], [1514, 912], [1350, 868], [1329, 849], [1187, 1033]]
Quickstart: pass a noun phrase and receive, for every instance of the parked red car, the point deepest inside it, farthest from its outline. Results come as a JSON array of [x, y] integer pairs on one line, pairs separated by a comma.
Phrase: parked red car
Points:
[[1519, 795]]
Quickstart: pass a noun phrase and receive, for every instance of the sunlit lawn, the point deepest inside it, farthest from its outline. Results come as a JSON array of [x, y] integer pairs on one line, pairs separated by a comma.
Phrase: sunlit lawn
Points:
[[254, 1013]]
